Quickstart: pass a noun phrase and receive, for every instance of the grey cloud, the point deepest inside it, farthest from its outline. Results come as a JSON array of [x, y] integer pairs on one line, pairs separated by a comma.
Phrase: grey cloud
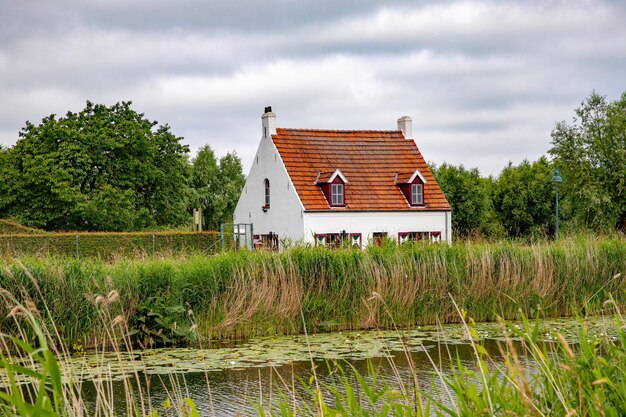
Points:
[[189, 15], [484, 80]]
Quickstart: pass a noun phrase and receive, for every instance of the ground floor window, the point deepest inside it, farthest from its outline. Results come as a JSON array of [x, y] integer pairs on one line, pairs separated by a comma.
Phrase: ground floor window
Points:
[[336, 240], [404, 237], [378, 237], [266, 241]]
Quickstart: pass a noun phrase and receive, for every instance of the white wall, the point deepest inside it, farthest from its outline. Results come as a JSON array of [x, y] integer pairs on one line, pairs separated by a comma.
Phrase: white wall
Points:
[[367, 223], [284, 216]]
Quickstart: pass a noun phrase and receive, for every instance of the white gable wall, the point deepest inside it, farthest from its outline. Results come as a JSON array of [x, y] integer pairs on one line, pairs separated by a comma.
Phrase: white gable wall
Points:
[[284, 217], [366, 223]]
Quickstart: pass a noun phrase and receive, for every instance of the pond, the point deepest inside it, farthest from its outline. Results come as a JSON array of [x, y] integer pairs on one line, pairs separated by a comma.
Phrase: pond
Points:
[[234, 380]]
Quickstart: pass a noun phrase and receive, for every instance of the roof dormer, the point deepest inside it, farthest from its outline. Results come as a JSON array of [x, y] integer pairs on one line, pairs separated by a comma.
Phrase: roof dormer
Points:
[[333, 185], [412, 187]]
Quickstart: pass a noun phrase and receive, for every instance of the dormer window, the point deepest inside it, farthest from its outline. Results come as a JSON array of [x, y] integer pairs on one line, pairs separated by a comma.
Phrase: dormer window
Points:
[[333, 185], [412, 186], [417, 194], [336, 194]]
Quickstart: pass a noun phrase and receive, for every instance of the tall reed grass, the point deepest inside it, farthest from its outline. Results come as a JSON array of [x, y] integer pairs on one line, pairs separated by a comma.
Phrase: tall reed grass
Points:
[[241, 294]]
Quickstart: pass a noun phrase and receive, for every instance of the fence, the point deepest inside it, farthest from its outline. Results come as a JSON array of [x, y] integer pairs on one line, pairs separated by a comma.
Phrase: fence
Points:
[[111, 245], [237, 235]]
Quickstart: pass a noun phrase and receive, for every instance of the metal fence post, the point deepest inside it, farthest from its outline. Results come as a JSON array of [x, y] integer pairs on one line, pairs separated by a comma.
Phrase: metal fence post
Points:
[[153, 244], [77, 245], [222, 235]]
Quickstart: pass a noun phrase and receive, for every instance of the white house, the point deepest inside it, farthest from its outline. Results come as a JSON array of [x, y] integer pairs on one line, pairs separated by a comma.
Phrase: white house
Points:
[[327, 186]]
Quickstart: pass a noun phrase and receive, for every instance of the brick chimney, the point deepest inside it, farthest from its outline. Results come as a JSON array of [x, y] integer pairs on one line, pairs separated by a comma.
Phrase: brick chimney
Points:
[[268, 122], [405, 124]]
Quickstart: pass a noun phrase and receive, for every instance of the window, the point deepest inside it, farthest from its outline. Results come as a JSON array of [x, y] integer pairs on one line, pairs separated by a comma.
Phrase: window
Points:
[[267, 241], [404, 237], [417, 194], [336, 240], [333, 185], [267, 193], [336, 192], [378, 237], [412, 187]]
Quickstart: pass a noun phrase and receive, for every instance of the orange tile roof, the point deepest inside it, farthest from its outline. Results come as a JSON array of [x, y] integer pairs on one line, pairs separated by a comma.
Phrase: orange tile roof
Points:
[[405, 177], [368, 159]]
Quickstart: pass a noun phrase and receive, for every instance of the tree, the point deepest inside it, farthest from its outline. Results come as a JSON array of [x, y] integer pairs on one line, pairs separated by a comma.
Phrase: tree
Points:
[[470, 197], [104, 168], [523, 198], [204, 182], [591, 154], [231, 180], [216, 186]]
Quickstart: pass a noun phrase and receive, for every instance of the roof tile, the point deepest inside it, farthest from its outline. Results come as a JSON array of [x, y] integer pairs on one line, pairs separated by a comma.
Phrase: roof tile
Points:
[[369, 160]]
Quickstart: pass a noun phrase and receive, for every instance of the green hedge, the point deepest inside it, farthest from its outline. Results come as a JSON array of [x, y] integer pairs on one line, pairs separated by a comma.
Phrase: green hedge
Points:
[[109, 245]]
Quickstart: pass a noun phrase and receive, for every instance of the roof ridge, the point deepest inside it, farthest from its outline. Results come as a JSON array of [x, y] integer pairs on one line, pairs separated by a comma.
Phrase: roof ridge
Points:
[[338, 130]]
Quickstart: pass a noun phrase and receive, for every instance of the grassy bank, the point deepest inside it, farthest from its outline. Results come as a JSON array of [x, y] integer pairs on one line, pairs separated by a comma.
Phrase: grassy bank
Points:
[[9, 227], [233, 295]]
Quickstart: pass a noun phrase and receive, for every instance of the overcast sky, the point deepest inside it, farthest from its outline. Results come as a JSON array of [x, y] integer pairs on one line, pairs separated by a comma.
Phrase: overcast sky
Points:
[[484, 81]]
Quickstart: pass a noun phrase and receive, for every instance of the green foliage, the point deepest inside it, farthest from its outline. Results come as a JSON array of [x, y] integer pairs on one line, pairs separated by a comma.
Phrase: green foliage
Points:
[[159, 322], [241, 294], [523, 198], [231, 180], [216, 186], [104, 168], [591, 154], [583, 379], [204, 182], [109, 245], [7, 175], [469, 195], [350, 393], [364, 397], [51, 389], [519, 203], [48, 387]]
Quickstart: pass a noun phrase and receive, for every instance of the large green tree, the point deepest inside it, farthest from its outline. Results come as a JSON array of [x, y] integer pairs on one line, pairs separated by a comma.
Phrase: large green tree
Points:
[[104, 168], [591, 154], [216, 185], [469, 194], [523, 198]]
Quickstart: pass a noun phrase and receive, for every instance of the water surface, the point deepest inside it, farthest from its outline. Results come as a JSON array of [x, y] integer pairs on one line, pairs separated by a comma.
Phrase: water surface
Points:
[[234, 380]]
